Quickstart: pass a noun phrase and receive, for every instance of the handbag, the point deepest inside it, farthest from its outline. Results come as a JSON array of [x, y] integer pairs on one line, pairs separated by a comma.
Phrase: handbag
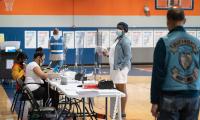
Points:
[[106, 84], [80, 77]]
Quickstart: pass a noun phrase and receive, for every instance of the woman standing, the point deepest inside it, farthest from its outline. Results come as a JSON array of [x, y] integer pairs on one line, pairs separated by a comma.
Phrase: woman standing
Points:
[[120, 61]]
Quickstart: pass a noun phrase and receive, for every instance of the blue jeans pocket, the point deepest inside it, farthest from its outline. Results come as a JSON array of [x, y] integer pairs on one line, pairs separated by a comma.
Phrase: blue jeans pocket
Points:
[[168, 104]]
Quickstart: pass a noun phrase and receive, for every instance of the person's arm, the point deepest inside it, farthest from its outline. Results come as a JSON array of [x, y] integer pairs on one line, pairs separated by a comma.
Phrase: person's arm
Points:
[[158, 75], [40, 73], [159, 72], [127, 54]]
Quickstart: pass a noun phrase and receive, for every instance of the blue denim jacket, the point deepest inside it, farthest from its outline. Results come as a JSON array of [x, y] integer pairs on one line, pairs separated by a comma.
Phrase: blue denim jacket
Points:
[[123, 55]]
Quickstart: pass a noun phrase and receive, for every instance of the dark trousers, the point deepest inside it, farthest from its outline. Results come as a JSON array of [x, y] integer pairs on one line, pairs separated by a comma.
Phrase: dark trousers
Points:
[[179, 108], [42, 93]]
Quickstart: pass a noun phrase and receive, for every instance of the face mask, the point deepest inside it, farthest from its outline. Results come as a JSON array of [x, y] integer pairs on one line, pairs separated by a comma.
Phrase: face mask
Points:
[[119, 32], [41, 63]]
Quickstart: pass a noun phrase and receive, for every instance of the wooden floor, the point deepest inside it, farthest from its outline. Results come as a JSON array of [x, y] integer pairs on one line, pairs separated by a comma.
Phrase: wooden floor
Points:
[[138, 107], [5, 113]]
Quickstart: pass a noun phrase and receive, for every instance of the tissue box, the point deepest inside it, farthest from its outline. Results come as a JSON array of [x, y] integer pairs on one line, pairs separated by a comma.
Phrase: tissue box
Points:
[[66, 80]]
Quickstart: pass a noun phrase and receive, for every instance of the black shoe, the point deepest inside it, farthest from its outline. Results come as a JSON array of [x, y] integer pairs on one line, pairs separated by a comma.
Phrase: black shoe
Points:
[[123, 114]]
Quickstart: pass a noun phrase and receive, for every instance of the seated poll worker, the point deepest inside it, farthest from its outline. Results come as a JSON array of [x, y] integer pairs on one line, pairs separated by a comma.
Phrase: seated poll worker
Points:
[[18, 68], [34, 74]]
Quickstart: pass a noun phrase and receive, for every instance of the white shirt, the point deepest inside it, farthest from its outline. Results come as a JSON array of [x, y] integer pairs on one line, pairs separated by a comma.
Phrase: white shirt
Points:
[[112, 53], [31, 77]]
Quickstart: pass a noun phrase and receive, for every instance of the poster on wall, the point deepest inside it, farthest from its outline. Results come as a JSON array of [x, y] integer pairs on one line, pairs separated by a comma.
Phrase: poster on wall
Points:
[[198, 34], [9, 63], [137, 40], [79, 39], [105, 39], [130, 35], [192, 32], [148, 38], [90, 39], [158, 34], [30, 39], [113, 37], [43, 39], [60, 33], [2, 38], [68, 37]]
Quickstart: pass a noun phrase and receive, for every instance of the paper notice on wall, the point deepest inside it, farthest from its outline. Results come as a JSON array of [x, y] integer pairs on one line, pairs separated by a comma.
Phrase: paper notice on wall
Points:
[[148, 38], [9, 63], [198, 35], [90, 39], [158, 34], [2, 38], [192, 32], [79, 39], [30, 39], [43, 39], [130, 35], [68, 37], [105, 39], [137, 39], [113, 37]]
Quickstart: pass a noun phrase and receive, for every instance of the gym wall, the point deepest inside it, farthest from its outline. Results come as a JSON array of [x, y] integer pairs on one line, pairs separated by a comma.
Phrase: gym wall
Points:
[[86, 15]]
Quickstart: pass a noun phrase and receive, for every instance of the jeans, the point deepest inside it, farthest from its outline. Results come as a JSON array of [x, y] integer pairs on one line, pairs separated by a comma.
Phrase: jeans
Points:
[[179, 108], [56, 63]]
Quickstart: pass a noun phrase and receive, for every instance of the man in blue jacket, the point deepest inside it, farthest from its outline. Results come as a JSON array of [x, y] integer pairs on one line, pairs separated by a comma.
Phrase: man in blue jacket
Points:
[[175, 81]]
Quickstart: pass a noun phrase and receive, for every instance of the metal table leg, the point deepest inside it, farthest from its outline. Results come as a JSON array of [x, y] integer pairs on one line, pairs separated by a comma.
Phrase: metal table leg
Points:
[[84, 109], [106, 108]]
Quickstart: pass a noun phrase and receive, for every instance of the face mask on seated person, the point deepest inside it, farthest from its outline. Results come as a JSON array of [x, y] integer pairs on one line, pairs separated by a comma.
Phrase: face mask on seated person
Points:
[[41, 63]]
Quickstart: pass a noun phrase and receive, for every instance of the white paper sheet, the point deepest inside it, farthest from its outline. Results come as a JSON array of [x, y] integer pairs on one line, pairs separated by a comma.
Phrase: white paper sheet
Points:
[[9, 63], [68, 39], [79, 39], [43, 39], [137, 40], [30, 39], [158, 34], [90, 39], [192, 32], [113, 37], [105, 38], [148, 38], [198, 35]]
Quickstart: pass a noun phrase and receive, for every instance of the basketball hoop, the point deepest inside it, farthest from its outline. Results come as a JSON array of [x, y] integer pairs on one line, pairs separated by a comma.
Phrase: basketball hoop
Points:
[[9, 4]]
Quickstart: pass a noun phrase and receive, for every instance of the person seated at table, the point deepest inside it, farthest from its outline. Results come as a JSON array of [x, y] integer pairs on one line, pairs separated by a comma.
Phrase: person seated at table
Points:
[[18, 68], [34, 74]]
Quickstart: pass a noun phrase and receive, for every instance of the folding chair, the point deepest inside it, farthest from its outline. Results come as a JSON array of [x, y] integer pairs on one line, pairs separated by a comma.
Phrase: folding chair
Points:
[[37, 112]]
